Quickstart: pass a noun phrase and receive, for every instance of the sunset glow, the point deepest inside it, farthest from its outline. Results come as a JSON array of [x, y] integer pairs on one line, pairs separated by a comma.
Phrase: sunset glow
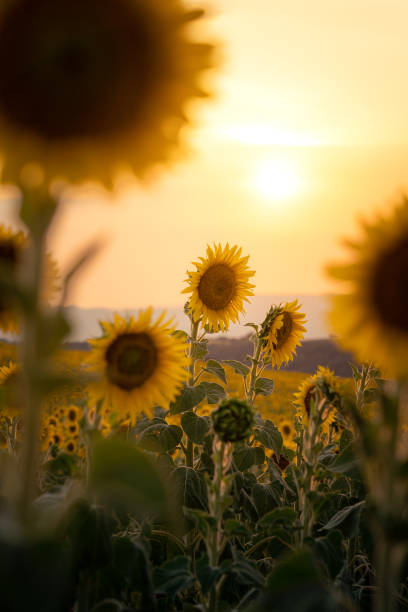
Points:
[[277, 180]]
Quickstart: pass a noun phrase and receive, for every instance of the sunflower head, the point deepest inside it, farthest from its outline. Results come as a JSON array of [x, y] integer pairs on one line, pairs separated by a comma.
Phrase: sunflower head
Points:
[[9, 384], [140, 364], [219, 286], [13, 251], [107, 84], [282, 331], [287, 429], [371, 316], [233, 420], [322, 385]]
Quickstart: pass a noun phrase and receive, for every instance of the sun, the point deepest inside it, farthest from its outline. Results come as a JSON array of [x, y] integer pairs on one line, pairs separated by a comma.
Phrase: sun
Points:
[[277, 179]]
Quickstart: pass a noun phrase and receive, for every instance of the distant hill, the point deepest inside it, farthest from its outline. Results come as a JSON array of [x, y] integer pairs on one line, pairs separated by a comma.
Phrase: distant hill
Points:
[[310, 355], [84, 321]]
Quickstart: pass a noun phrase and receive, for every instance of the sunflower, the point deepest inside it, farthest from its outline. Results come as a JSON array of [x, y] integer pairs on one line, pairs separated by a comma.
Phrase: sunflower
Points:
[[312, 389], [90, 86], [13, 248], [287, 430], [140, 364], [371, 319], [219, 286], [282, 332], [9, 375]]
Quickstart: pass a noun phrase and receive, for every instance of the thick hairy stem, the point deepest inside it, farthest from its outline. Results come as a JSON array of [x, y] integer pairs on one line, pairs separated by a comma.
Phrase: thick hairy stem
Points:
[[31, 358], [191, 379], [388, 558], [216, 507], [254, 371]]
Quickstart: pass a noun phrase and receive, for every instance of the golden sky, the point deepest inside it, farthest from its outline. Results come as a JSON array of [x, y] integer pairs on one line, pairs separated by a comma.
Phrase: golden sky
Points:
[[308, 131]]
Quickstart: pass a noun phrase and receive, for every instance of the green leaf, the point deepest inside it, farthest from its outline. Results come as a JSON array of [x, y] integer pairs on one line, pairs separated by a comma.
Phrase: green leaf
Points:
[[201, 520], [233, 527], [191, 488], [265, 498], [131, 561], [330, 549], [173, 576], [237, 366], [207, 575], [283, 514], [160, 438], [269, 436], [195, 427], [199, 349], [264, 386], [351, 514], [295, 583], [245, 571], [214, 392], [346, 463], [188, 399], [120, 474], [356, 371], [214, 367], [247, 456]]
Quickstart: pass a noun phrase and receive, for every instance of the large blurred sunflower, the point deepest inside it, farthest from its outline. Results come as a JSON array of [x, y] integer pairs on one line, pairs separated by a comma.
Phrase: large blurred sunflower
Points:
[[219, 286], [371, 319], [140, 364], [282, 332], [13, 248], [88, 86]]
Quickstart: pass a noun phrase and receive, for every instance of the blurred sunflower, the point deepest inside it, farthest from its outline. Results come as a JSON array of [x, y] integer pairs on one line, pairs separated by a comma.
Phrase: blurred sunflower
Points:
[[219, 286], [140, 363], [282, 332], [9, 375], [322, 384], [371, 319], [88, 86], [287, 429], [13, 248]]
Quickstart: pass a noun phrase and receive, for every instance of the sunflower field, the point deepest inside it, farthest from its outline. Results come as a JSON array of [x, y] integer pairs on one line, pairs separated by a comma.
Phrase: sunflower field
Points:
[[142, 475]]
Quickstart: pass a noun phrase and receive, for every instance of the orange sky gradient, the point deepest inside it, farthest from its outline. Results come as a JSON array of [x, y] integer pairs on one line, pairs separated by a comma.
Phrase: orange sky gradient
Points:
[[308, 131]]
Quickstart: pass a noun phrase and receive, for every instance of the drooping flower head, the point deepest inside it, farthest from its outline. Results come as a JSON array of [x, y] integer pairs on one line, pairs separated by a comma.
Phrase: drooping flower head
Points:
[[140, 364], [282, 331], [322, 385], [371, 317], [219, 287], [233, 420], [88, 85]]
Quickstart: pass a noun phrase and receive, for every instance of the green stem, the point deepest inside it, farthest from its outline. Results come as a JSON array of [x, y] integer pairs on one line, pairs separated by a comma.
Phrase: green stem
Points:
[[388, 565], [191, 379], [31, 359], [254, 371]]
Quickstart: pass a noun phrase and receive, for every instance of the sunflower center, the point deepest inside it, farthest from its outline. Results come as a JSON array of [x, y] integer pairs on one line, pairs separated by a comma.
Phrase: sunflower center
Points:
[[390, 287], [286, 430], [77, 69], [283, 333], [217, 287], [131, 359]]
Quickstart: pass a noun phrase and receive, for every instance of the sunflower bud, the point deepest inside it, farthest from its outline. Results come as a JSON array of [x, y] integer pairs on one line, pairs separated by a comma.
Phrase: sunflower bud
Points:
[[233, 420]]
